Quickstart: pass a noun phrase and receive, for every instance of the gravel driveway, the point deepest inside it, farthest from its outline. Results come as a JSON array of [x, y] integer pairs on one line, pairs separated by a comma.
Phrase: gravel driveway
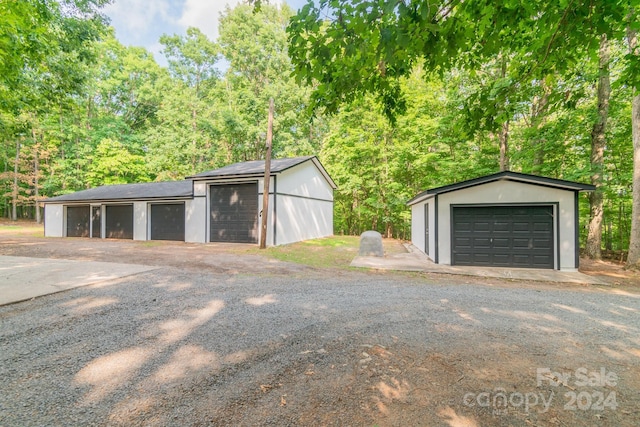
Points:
[[301, 346]]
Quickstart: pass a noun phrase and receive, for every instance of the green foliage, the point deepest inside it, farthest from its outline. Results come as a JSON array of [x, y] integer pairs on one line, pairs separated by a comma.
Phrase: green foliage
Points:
[[352, 47], [114, 164], [90, 111], [255, 44]]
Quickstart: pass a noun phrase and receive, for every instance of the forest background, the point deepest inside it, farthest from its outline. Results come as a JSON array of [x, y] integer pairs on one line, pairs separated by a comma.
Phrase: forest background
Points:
[[78, 110]]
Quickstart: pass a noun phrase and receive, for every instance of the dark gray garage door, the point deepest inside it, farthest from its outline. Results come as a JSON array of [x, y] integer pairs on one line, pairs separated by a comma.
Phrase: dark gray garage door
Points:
[[119, 222], [78, 221], [167, 221], [234, 213], [503, 236]]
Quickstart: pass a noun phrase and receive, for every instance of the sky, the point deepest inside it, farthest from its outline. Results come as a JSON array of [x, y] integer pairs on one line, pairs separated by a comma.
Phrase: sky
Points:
[[142, 22]]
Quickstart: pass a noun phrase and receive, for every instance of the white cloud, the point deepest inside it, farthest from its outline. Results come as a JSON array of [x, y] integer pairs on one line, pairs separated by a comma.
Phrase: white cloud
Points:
[[138, 16], [204, 14]]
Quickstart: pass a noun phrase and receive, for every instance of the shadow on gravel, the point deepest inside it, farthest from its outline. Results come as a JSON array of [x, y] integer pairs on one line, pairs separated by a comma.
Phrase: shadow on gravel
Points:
[[178, 347]]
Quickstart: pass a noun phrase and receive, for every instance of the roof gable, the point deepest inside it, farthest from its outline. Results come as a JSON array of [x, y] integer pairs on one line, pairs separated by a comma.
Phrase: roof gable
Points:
[[504, 176], [255, 168]]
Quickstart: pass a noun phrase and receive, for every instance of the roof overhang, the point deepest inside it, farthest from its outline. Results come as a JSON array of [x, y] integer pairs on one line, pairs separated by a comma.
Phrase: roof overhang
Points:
[[118, 200]]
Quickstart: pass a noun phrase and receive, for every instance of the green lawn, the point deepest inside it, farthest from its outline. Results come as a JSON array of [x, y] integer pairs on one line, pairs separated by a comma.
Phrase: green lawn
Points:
[[335, 251], [21, 228]]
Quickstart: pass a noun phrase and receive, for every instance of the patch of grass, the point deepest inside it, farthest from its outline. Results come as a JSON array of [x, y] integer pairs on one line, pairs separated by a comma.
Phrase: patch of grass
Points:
[[328, 252], [150, 243], [21, 228]]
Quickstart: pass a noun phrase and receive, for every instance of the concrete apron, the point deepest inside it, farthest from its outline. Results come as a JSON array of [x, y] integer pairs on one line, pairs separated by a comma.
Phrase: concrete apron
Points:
[[23, 278], [414, 260]]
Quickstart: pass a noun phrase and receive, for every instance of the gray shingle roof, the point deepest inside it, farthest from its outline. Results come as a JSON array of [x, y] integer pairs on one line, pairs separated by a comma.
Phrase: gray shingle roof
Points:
[[508, 176], [182, 189], [150, 190], [251, 168]]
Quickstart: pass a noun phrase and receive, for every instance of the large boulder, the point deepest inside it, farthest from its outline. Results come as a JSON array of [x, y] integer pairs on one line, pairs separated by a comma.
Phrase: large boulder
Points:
[[371, 244]]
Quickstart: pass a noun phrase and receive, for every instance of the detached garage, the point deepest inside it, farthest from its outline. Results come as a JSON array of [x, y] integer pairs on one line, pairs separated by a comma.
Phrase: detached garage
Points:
[[222, 205], [506, 219]]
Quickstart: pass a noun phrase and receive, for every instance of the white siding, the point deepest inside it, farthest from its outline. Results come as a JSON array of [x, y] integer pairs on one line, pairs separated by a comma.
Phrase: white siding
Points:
[[418, 223], [199, 189], [305, 180], [302, 219], [304, 205], [505, 192], [195, 217], [54, 220], [140, 218]]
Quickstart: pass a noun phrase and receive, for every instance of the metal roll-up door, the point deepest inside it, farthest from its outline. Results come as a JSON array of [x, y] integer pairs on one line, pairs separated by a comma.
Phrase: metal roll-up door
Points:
[[119, 222], [234, 213], [167, 221], [78, 221], [503, 236]]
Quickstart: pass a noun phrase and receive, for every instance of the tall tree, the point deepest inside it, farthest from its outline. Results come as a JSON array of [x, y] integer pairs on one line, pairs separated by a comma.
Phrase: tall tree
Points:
[[254, 42], [45, 51], [598, 143], [633, 259], [184, 141]]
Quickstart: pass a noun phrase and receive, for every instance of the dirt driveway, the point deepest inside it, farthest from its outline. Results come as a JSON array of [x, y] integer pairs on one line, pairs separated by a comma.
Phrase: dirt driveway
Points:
[[221, 337]]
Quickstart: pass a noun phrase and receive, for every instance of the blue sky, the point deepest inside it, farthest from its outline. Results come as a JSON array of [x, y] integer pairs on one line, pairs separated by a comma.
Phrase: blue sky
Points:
[[142, 22]]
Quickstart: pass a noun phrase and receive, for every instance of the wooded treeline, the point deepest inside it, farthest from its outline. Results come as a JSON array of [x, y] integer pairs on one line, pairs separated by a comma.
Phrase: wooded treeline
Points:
[[78, 110]]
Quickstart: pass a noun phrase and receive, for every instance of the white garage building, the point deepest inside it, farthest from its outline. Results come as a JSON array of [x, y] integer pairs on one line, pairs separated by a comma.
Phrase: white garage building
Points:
[[507, 219], [222, 205]]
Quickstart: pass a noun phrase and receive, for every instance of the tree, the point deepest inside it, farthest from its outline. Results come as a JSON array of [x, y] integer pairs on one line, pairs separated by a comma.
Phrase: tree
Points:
[[254, 42], [45, 50], [598, 143], [350, 48], [184, 140], [633, 259], [355, 47]]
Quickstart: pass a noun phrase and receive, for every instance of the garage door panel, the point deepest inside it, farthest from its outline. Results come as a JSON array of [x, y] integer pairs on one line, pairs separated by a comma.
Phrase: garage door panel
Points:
[[501, 226], [464, 226], [465, 258], [481, 226], [542, 244], [503, 243], [519, 243], [481, 259], [521, 226], [463, 242], [503, 236], [542, 228], [502, 259], [481, 242]]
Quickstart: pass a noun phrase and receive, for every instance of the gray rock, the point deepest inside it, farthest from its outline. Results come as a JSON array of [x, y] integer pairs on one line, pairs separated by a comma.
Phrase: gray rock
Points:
[[371, 244]]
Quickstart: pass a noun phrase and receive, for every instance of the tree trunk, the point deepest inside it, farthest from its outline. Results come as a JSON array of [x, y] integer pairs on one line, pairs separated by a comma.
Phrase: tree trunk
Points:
[[267, 178], [633, 259], [538, 119], [36, 184], [503, 137], [14, 209], [598, 142]]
